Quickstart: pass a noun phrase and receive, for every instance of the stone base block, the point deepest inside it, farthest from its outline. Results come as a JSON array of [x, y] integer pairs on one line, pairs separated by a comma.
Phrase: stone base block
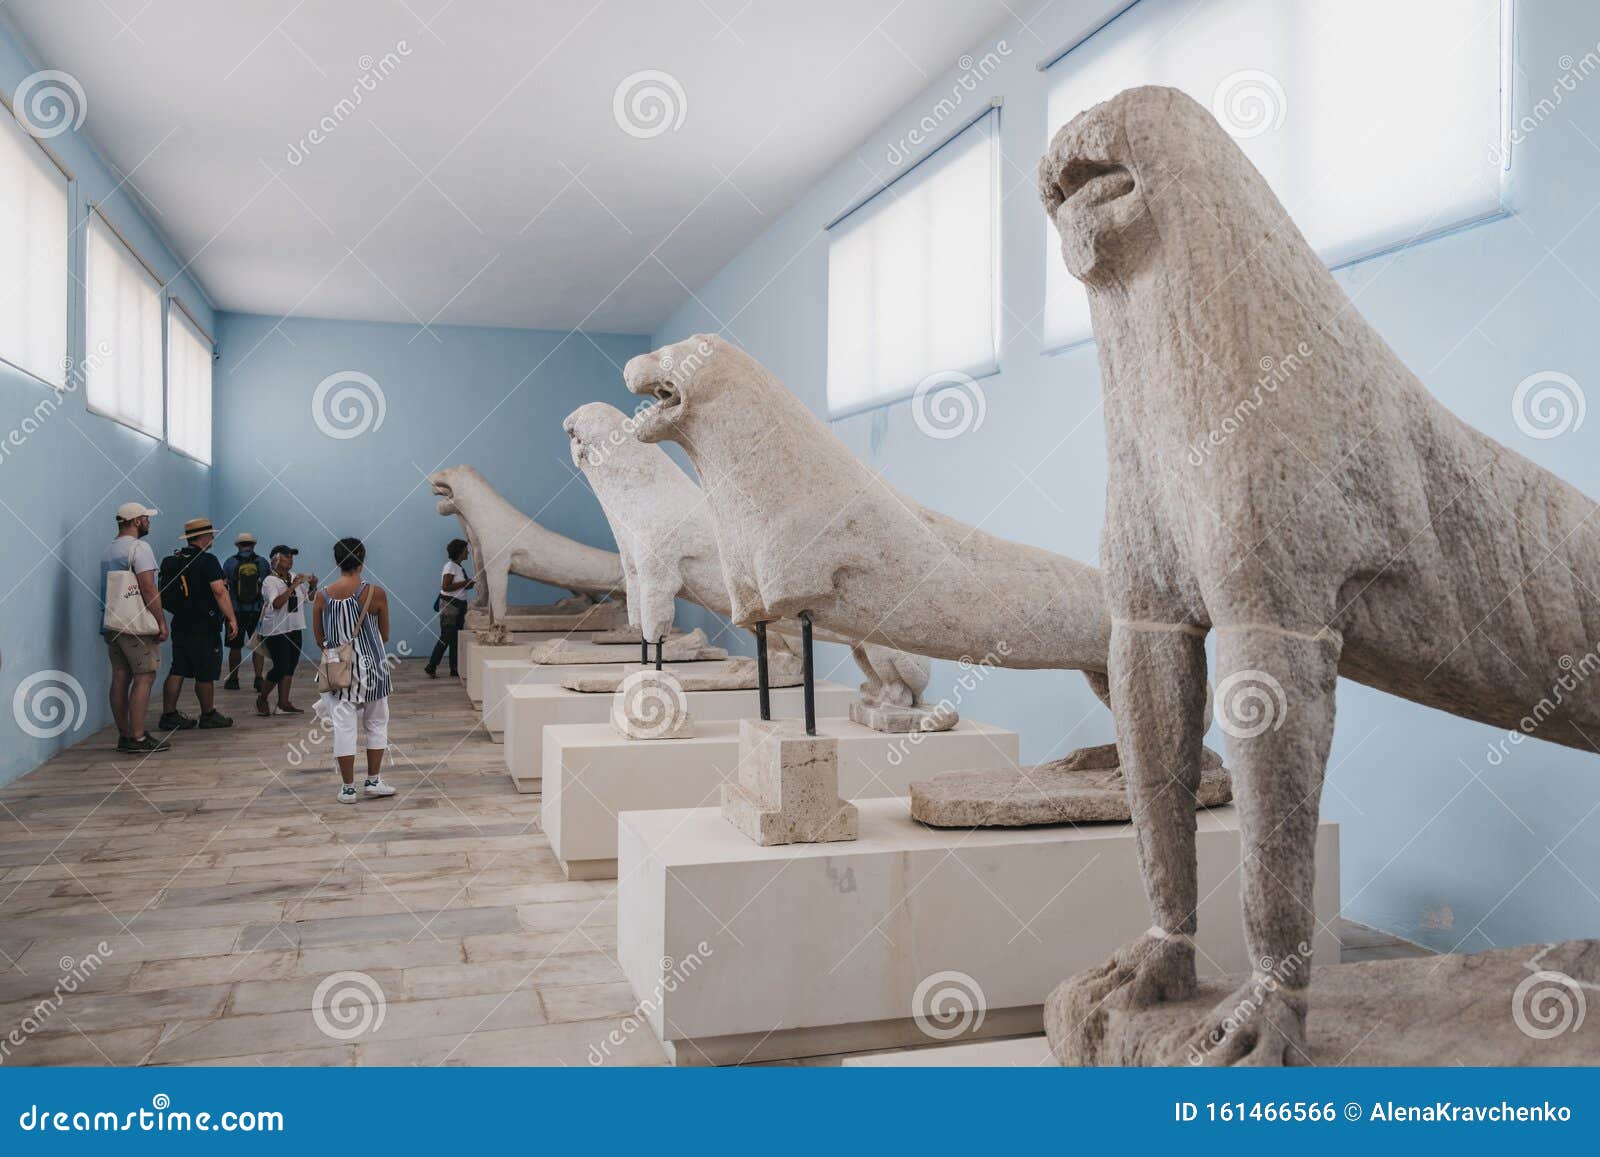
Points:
[[1082, 788], [1508, 1006], [907, 935], [591, 774], [897, 720], [787, 791]]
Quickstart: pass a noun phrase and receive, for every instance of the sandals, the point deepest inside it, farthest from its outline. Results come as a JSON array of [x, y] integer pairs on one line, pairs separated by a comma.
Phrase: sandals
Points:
[[263, 708]]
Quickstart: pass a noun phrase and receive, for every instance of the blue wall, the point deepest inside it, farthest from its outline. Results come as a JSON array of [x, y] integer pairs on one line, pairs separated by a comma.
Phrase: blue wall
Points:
[[1439, 843], [60, 486], [491, 398]]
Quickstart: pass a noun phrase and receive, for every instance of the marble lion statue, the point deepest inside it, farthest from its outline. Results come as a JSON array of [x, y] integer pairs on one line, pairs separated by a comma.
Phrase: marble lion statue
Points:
[[1341, 523], [803, 525], [507, 542], [663, 529]]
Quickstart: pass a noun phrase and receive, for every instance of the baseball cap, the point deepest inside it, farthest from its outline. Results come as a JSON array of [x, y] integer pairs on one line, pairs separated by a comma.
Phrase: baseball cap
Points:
[[244, 537], [288, 550], [128, 511]]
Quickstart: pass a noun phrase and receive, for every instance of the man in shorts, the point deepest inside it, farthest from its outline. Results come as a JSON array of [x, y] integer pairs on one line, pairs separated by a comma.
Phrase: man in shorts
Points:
[[246, 572], [194, 591], [134, 658]]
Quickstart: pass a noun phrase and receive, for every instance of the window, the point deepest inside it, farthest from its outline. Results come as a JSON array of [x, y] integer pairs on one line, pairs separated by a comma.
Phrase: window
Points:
[[1327, 100], [33, 256], [124, 332], [913, 276], [188, 385]]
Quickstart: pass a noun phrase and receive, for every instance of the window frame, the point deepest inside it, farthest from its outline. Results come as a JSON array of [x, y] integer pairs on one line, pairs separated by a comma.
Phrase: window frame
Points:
[[68, 193], [1050, 348], [900, 393], [177, 312], [92, 211]]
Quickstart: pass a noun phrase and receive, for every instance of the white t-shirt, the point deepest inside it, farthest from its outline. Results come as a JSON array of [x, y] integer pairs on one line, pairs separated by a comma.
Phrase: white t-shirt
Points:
[[124, 553], [280, 620], [453, 569]]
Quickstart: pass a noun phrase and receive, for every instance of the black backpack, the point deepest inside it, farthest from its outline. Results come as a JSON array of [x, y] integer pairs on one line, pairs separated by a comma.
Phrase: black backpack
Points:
[[180, 593], [247, 580]]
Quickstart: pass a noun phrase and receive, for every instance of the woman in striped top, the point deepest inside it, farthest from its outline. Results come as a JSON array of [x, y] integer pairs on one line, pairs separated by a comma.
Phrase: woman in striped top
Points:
[[352, 609]]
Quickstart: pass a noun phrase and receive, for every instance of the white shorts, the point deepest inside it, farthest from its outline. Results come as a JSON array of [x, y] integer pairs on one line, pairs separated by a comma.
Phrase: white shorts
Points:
[[341, 716]]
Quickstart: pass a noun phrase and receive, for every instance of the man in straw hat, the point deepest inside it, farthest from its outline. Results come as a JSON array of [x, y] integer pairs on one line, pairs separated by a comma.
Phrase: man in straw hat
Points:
[[194, 590]]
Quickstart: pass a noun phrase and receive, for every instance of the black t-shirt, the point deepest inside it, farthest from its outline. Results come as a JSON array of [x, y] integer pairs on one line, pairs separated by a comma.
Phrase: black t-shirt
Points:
[[204, 616]]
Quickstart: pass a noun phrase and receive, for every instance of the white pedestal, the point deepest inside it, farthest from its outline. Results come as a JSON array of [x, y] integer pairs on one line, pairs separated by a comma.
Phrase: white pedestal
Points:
[[592, 774], [1017, 1052], [472, 660], [746, 953], [531, 707], [501, 675]]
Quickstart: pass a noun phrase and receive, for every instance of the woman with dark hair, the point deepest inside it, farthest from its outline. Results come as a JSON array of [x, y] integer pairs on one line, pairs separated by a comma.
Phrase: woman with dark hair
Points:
[[354, 611], [452, 605], [283, 595]]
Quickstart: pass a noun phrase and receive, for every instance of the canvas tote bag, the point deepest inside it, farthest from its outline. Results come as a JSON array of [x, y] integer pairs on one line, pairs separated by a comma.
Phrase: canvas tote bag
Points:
[[336, 670], [126, 613]]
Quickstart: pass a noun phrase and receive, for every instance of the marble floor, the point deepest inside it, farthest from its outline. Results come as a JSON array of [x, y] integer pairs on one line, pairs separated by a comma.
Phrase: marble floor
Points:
[[215, 905]]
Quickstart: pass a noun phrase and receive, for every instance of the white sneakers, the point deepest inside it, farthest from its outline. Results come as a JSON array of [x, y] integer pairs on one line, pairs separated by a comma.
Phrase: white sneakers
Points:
[[374, 789]]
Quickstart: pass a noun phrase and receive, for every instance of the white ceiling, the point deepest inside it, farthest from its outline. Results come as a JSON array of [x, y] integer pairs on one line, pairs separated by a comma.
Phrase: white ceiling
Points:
[[485, 180]]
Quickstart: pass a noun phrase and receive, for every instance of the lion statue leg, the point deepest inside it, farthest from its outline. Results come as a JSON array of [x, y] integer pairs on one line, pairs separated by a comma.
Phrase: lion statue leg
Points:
[[1160, 680]]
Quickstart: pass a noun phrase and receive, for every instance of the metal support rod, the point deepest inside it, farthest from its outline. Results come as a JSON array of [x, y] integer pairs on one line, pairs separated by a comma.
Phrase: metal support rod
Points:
[[644, 651], [659, 643], [761, 671], [808, 681]]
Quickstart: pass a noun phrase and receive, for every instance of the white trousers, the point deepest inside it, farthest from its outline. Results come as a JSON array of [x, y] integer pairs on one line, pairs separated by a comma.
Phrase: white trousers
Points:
[[341, 717]]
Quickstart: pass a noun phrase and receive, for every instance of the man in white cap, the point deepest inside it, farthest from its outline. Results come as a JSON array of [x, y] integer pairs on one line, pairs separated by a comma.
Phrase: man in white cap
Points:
[[245, 572], [133, 641]]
